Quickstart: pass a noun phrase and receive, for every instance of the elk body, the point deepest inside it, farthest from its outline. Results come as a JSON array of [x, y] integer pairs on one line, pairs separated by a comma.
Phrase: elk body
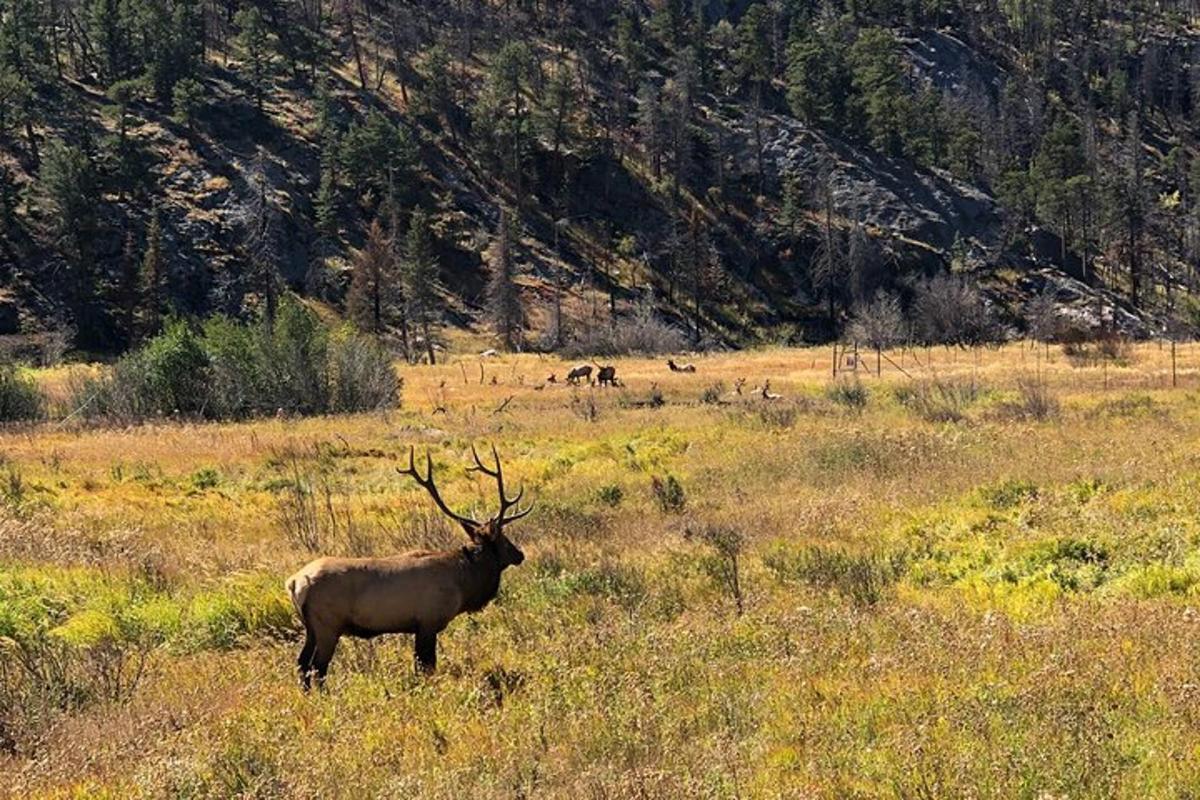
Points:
[[671, 365], [583, 372], [607, 376], [418, 592]]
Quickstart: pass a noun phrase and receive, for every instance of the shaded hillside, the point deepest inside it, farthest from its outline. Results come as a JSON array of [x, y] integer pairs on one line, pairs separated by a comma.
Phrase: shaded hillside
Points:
[[754, 170]]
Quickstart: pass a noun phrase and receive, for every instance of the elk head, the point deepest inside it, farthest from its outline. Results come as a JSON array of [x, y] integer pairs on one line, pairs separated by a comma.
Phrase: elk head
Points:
[[489, 534]]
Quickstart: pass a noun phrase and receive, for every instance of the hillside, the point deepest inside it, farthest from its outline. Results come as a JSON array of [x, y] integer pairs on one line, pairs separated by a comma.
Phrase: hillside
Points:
[[755, 171]]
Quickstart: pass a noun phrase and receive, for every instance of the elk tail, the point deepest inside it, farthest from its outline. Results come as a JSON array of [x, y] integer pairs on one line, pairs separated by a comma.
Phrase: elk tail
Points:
[[297, 589]]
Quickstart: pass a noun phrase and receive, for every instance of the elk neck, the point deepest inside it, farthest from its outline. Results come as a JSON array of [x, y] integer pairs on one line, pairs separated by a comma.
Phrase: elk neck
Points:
[[481, 569]]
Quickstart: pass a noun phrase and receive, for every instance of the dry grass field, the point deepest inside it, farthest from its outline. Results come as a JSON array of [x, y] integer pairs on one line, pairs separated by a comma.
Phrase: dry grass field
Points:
[[978, 577]]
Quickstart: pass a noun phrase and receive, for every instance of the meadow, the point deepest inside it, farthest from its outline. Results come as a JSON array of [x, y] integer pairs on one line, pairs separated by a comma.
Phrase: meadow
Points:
[[975, 575]]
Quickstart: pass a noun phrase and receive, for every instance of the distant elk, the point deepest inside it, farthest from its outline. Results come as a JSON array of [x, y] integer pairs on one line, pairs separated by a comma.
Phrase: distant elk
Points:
[[418, 592], [680, 367], [607, 376], [583, 373]]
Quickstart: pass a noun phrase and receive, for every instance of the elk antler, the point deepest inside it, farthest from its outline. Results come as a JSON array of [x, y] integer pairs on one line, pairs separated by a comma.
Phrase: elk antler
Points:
[[469, 525], [498, 473]]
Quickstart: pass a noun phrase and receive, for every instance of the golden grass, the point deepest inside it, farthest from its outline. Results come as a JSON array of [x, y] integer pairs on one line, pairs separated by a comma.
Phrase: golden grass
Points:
[[998, 606]]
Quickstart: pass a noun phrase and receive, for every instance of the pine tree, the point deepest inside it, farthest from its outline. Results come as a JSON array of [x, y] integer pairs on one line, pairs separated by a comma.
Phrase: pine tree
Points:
[[504, 301], [187, 98], [755, 62], [68, 194], [128, 289], [261, 237], [878, 75], [818, 80], [8, 201], [555, 106], [420, 280], [374, 273], [501, 114], [254, 37], [153, 280]]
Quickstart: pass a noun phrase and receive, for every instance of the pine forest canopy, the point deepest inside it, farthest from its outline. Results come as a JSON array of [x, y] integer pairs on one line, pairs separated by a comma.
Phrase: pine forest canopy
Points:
[[744, 170]]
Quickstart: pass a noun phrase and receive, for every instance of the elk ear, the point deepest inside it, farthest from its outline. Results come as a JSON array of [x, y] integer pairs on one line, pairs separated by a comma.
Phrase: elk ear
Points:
[[475, 531]]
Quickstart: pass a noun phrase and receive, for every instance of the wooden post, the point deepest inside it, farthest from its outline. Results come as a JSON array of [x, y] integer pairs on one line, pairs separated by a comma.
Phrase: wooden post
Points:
[[1174, 379]]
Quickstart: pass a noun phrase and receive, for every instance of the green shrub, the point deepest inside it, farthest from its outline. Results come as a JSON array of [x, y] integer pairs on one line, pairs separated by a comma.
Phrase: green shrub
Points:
[[364, 378], [1008, 494], [1034, 401], [850, 393], [610, 495], [939, 400], [175, 369], [862, 579], [229, 370], [668, 494], [21, 399]]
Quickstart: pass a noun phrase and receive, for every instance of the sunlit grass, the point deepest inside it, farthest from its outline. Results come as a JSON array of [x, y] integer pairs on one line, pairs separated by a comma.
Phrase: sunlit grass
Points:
[[934, 602]]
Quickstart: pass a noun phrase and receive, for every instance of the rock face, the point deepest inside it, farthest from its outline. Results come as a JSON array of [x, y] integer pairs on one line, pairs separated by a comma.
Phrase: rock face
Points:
[[1086, 308], [949, 65], [929, 208]]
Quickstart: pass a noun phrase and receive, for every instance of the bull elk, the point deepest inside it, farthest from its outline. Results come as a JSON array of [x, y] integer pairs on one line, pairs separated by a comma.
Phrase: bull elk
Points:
[[418, 592]]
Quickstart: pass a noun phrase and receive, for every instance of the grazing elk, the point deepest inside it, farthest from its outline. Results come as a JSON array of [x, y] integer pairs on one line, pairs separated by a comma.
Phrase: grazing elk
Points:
[[417, 592], [680, 367], [607, 376], [583, 373]]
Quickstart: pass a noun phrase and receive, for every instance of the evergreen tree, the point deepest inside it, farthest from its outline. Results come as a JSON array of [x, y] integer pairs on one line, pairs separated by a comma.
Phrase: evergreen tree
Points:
[[254, 37], [153, 280], [878, 75], [755, 60], [1129, 206], [504, 301], [818, 79], [501, 115], [261, 237], [68, 194], [378, 159], [8, 201], [555, 107], [374, 274], [420, 281], [187, 99]]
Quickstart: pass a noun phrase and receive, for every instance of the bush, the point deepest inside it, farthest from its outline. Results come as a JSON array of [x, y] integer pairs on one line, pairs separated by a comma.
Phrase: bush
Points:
[[1034, 401], [21, 399], [1090, 349], [364, 378], [668, 494], [610, 495], [850, 393], [229, 370], [939, 400], [860, 578], [643, 333]]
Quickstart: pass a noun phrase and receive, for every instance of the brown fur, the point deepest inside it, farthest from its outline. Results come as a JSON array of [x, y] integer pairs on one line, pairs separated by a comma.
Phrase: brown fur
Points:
[[580, 373], [418, 592]]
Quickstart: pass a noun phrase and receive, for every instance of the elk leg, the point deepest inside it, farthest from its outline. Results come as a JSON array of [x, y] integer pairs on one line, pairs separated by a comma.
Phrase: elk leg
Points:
[[322, 655], [304, 662], [425, 650]]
